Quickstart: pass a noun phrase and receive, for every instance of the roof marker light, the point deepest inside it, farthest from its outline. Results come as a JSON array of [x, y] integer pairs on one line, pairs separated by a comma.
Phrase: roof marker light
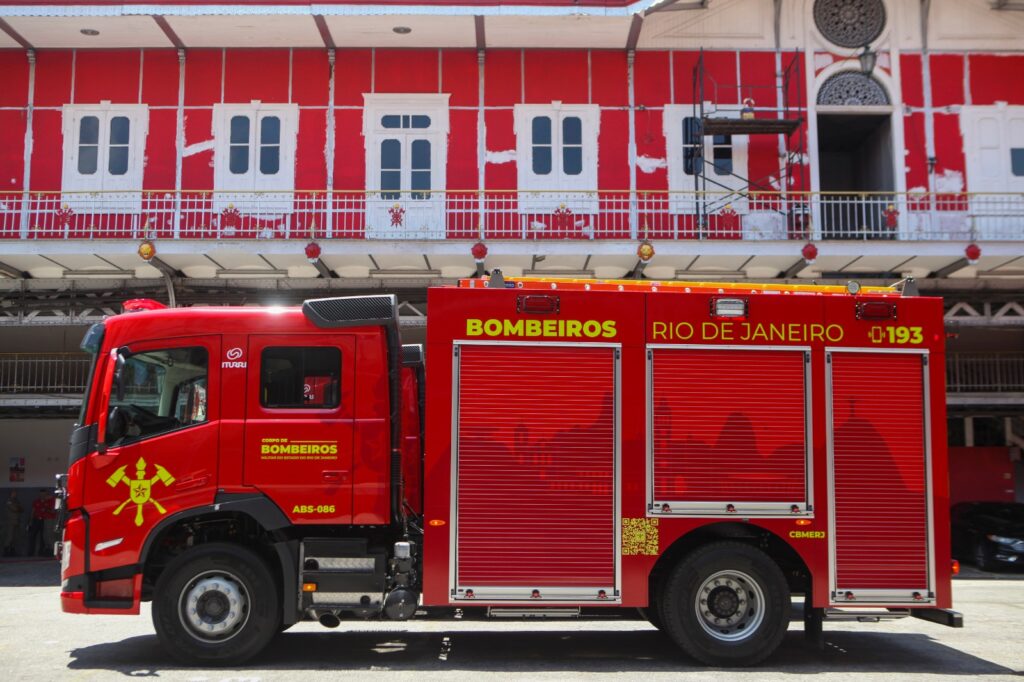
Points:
[[730, 307]]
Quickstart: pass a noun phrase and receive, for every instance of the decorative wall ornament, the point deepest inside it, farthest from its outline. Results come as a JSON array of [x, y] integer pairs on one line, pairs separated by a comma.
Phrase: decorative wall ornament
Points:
[[397, 214], [852, 89], [850, 23]]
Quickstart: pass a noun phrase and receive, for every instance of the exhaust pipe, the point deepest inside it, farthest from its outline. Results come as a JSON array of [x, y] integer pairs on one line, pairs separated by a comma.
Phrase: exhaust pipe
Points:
[[329, 620]]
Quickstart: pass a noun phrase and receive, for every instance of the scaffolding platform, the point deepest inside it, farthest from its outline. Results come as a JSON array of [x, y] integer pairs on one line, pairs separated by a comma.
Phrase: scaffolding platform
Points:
[[749, 126]]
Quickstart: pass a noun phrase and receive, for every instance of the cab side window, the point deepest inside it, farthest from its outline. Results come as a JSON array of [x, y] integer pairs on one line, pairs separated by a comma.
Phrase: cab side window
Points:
[[300, 377], [161, 391]]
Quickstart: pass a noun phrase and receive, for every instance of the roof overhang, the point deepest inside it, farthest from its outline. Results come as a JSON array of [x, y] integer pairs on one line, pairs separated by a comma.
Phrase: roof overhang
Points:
[[600, 24]]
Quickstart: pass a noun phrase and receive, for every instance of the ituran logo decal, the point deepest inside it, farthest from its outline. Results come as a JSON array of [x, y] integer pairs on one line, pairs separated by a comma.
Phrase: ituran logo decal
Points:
[[141, 488], [233, 360]]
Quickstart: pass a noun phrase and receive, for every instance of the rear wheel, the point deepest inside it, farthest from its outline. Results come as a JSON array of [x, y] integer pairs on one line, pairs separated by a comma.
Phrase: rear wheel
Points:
[[216, 604], [726, 604], [982, 557]]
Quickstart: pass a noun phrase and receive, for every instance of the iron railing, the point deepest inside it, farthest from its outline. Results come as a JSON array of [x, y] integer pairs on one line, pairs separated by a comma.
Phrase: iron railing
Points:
[[513, 215], [43, 373], [985, 372]]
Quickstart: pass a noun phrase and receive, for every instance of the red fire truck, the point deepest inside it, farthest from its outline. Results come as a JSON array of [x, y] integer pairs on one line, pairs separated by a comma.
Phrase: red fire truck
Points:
[[698, 453]]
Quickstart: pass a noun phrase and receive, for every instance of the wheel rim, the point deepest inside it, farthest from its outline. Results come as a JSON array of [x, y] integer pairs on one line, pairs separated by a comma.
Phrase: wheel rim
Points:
[[980, 560], [729, 606], [214, 606]]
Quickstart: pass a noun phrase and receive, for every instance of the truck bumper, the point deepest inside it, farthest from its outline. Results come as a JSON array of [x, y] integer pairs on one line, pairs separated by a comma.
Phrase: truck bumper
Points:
[[86, 594]]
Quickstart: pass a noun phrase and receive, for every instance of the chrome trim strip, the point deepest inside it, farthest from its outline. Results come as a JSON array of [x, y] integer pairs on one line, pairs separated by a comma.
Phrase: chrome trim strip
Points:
[[100, 546], [776, 509], [708, 346], [830, 454], [845, 349], [453, 491], [521, 594], [929, 497], [536, 342], [649, 429], [808, 433], [617, 469]]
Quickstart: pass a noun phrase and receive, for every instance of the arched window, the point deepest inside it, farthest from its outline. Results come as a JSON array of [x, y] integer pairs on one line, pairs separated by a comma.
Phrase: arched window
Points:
[[852, 89]]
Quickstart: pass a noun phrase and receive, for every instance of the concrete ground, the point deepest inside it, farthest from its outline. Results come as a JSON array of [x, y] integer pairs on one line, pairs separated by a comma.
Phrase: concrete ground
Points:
[[37, 641]]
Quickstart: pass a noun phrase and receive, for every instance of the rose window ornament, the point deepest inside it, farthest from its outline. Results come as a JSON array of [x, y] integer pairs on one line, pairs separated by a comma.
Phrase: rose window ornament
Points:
[[850, 23]]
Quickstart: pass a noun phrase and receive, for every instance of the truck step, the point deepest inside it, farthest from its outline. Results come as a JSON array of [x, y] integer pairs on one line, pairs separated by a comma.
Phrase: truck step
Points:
[[342, 573], [514, 612]]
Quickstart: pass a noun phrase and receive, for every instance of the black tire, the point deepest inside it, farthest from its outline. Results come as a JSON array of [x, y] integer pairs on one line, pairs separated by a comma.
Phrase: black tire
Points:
[[982, 557], [651, 615], [726, 604], [232, 593], [655, 602]]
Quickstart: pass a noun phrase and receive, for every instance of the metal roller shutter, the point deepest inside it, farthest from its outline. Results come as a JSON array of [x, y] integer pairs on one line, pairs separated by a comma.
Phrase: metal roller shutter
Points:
[[536, 465], [879, 476], [729, 426]]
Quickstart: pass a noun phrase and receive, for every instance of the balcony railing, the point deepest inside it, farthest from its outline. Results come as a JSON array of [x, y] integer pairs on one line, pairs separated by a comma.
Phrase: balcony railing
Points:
[[66, 373], [985, 372], [45, 373], [512, 215]]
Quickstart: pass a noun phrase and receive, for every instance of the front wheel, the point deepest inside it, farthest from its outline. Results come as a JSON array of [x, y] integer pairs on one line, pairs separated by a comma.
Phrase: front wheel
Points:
[[727, 604], [216, 605]]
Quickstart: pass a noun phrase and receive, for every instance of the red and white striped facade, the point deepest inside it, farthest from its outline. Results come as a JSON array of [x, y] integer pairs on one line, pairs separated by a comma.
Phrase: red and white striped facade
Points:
[[386, 146]]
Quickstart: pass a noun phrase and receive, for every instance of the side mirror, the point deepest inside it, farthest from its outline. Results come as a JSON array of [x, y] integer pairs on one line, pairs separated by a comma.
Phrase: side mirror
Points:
[[119, 375], [110, 374], [117, 424]]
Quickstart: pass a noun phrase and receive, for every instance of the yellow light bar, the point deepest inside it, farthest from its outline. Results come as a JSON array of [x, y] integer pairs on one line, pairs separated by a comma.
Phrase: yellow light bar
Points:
[[678, 285], [309, 587]]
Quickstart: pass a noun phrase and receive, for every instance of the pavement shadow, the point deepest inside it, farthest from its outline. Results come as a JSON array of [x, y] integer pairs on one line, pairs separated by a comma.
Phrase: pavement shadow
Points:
[[633, 651], [30, 573]]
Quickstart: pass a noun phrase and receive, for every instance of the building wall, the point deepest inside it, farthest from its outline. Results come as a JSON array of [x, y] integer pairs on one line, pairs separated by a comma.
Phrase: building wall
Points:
[[44, 445], [963, 54], [510, 77]]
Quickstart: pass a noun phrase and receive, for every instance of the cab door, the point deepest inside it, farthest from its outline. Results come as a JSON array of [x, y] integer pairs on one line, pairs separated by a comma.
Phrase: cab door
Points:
[[161, 443], [299, 424]]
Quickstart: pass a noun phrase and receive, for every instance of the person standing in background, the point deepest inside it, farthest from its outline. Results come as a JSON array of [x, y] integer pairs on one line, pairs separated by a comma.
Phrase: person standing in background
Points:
[[42, 512], [13, 529], [49, 523]]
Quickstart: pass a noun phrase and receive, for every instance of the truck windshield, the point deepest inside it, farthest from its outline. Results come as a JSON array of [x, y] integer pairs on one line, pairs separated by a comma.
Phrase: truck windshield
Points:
[[90, 344], [163, 390]]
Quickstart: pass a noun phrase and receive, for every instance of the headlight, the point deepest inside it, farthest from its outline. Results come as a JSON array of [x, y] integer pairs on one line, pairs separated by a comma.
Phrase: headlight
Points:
[[1003, 540]]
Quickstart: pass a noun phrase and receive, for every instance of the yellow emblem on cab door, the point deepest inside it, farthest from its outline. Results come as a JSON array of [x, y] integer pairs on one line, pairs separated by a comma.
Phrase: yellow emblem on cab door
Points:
[[140, 490]]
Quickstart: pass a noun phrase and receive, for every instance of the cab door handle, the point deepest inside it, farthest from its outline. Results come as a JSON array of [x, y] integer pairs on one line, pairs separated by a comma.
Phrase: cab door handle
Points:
[[333, 475]]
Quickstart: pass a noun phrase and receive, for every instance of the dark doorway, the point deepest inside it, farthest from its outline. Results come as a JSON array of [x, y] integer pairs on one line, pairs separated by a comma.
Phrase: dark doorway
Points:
[[855, 156]]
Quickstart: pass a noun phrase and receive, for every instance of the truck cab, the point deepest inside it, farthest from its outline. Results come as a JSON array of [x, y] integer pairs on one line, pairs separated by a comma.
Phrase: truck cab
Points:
[[282, 433]]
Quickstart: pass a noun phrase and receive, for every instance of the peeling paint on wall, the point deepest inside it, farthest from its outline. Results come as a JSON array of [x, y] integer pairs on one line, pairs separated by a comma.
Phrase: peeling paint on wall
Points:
[[949, 181], [648, 164], [198, 148], [507, 156]]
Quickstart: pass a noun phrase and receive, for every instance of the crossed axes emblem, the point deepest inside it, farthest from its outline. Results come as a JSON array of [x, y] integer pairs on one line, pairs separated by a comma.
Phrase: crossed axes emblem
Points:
[[140, 489]]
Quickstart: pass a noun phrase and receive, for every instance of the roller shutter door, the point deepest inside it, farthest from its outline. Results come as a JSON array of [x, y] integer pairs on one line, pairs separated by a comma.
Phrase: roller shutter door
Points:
[[878, 463], [536, 466], [729, 426]]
